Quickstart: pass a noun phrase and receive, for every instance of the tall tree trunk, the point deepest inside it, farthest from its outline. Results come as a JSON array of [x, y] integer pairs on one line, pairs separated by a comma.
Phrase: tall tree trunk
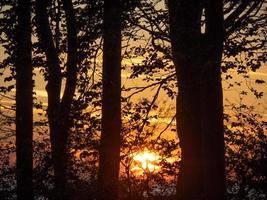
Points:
[[59, 110], [63, 123], [24, 102], [197, 59], [108, 176]]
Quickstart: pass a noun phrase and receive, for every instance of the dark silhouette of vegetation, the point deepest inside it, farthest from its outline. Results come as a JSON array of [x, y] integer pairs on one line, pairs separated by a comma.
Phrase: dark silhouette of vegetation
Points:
[[192, 46], [109, 150], [197, 60], [70, 56], [24, 102], [58, 109]]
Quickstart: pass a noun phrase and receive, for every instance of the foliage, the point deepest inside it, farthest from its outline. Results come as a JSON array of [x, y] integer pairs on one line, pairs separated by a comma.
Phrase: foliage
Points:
[[246, 151], [147, 52]]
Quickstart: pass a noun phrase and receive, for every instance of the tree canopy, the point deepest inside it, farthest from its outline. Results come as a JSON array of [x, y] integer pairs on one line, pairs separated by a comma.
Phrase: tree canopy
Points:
[[172, 91]]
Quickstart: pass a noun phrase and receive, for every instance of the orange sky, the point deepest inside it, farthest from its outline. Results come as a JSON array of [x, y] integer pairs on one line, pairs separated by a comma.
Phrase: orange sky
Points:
[[163, 101]]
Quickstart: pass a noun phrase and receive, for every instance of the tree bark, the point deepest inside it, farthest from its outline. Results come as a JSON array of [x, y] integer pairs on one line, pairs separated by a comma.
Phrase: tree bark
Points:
[[108, 175], [24, 102], [59, 109], [197, 59]]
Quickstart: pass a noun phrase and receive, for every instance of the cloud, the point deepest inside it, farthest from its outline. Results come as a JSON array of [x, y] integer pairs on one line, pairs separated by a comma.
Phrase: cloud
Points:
[[41, 93], [258, 74]]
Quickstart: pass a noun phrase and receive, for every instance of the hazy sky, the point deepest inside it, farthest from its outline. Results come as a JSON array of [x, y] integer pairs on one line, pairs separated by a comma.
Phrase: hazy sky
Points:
[[232, 95]]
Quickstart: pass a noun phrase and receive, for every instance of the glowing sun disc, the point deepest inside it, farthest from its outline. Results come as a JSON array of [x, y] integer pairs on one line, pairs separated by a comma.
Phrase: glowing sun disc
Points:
[[145, 160]]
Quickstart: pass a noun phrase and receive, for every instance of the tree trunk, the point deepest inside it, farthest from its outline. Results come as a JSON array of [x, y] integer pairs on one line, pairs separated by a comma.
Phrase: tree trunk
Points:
[[197, 59], [200, 129], [108, 176], [59, 110], [24, 102]]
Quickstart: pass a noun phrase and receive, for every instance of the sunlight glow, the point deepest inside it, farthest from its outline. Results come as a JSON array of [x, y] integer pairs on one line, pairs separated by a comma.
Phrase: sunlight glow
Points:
[[145, 161]]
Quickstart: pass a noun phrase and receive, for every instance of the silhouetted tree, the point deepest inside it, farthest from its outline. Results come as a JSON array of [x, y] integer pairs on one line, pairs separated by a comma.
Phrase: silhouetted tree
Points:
[[59, 109], [144, 122], [108, 176], [245, 152], [197, 54], [24, 102]]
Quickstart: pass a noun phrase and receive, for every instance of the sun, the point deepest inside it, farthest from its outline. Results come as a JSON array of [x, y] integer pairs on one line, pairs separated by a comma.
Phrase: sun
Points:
[[145, 161]]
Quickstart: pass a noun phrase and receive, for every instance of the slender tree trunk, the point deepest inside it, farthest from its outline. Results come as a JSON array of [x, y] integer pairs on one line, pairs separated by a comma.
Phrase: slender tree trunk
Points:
[[59, 110], [24, 102], [197, 59], [53, 88], [108, 176], [63, 123]]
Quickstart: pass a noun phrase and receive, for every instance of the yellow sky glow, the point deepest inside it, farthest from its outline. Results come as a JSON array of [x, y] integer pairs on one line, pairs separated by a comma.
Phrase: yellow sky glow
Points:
[[145, 161]]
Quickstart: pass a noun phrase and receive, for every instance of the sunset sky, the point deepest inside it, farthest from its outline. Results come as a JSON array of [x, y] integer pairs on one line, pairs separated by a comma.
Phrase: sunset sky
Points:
[[230, 94]]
